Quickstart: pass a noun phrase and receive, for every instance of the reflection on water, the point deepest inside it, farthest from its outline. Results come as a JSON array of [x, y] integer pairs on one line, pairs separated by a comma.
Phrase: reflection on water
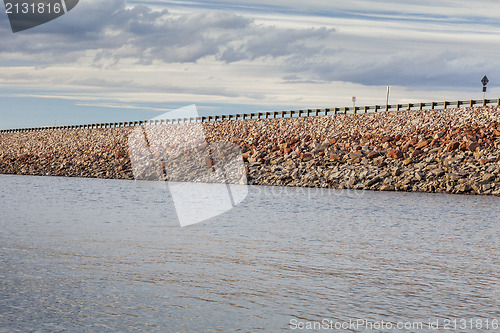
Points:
[[107, 255]]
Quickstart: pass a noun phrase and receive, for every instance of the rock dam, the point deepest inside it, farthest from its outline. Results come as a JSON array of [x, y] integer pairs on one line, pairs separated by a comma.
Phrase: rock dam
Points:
[[438, 151]]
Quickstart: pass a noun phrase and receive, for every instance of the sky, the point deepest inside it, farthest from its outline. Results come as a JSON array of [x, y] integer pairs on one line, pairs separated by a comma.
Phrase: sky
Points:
[[117, 60]]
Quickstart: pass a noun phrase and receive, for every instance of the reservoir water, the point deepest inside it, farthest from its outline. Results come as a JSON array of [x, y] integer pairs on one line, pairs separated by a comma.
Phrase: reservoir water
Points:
[[92, 255]]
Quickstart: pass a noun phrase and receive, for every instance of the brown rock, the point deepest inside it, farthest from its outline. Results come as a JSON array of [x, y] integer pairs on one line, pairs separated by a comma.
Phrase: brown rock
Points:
[[356, 155], [335, 157], [395, 154], [419, 176], [386, 139], [387, 188], [463, 188], [373, 181], [372, 155], [422, 144], [438, 135], [477, 188], [470, 138], [434, 143], [306, 156], [487, 161], [473, 146], [453, 146], [416, 153], [453, 177], [413, 142], [438, 172], [488, 177]]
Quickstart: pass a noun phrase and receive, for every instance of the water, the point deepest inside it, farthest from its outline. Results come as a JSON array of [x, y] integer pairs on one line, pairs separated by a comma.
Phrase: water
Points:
[[107, 255]]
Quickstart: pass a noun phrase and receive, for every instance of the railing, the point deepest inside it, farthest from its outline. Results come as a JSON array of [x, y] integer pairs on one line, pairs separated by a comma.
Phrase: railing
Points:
[[272, 114]]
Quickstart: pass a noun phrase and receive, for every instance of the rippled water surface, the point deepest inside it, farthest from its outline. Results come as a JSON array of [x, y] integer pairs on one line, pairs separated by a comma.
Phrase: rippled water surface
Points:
[[108, 255]]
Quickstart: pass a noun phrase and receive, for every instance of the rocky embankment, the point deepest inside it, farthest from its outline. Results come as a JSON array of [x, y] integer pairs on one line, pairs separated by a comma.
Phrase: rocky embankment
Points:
[[452, 151], [90, 153]]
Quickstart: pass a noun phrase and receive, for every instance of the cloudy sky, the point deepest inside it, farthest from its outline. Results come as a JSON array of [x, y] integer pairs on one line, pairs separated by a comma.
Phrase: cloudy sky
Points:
[[115, 60]]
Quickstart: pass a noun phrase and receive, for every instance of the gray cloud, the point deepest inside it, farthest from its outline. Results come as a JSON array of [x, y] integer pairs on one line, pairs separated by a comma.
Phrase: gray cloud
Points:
[[419, 68], [111, 32], [146, 35], [274, 42]]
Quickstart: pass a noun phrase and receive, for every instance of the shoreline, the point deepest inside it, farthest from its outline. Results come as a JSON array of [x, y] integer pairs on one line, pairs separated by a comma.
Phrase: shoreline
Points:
[[437, 151]]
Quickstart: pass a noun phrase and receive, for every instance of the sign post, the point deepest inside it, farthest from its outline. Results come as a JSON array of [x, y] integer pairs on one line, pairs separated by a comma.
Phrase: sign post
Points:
[[354, 103], [484, 81], [388, 91]]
